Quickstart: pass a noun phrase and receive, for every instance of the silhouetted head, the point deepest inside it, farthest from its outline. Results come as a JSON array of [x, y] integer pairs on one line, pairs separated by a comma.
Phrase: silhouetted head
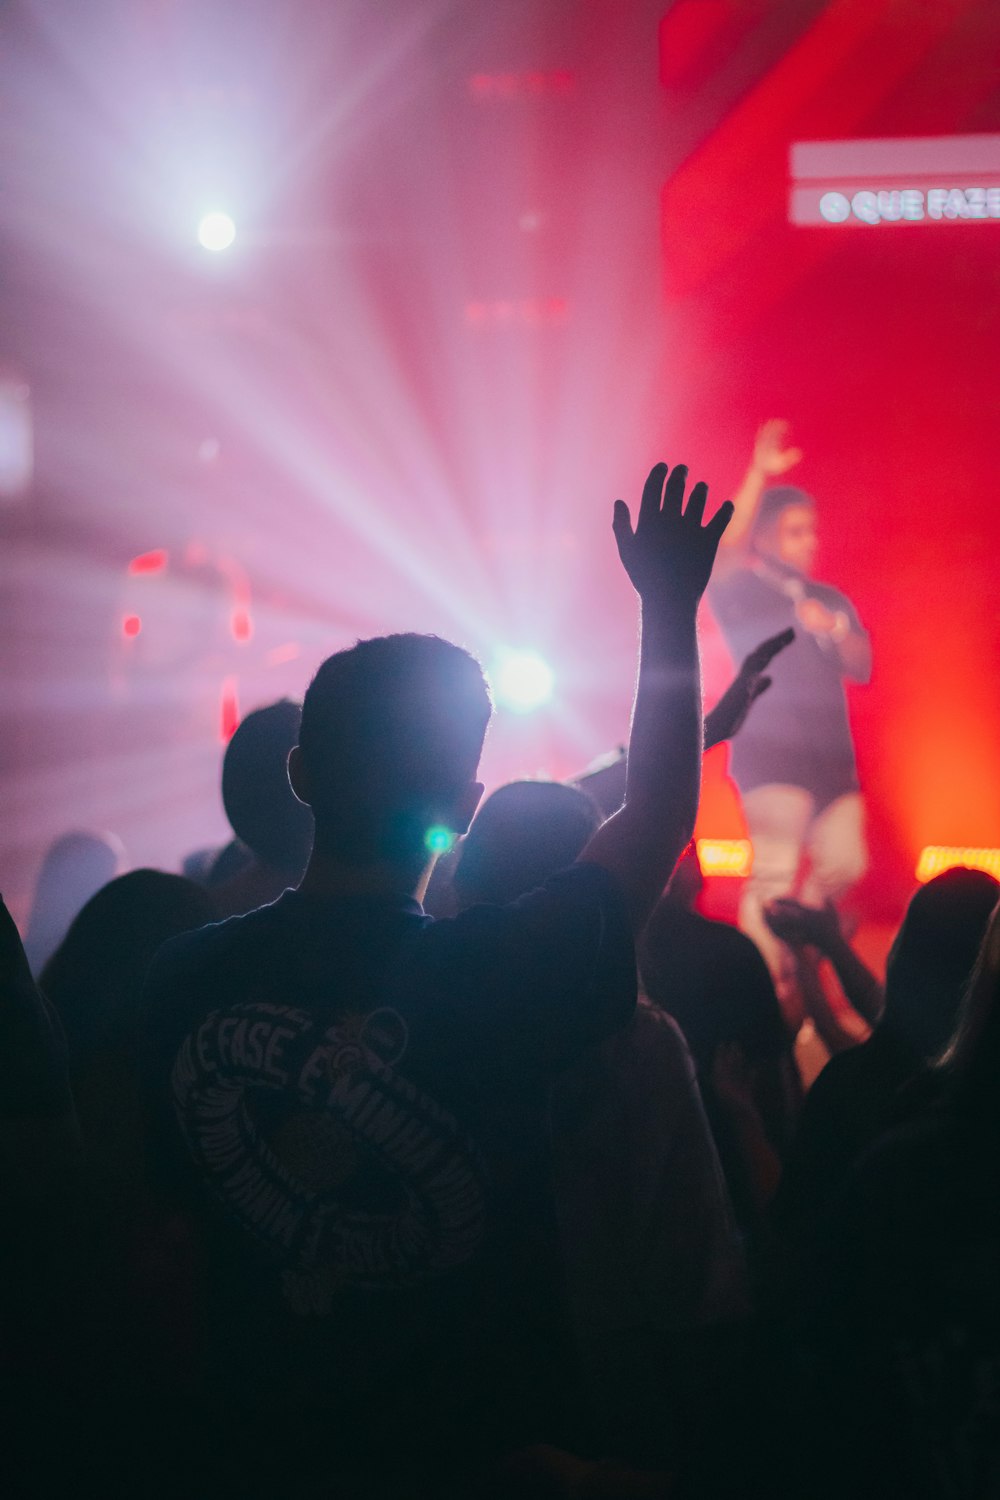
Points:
[[94, 979], [523, 833], [261, 807], [785, 527], [391, 735], [74, 867], [933, 955]]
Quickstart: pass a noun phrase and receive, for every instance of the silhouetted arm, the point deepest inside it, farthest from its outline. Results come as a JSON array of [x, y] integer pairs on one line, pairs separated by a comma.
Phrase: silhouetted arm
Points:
[[668, 557], [729, 714], [835, 1036]]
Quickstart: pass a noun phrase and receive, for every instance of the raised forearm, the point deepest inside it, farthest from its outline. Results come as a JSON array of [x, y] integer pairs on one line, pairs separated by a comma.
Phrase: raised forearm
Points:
[[861, 989], [642, 841], [668, 556], [663, 772], [833, 1035], [745, 503]]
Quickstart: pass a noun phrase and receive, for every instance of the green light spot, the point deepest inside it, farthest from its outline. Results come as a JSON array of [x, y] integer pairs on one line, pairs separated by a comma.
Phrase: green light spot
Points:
[[439, 839]]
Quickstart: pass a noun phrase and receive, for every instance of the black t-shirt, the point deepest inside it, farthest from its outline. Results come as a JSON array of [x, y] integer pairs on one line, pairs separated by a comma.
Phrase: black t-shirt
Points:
[[349, 1099], [799, 734]]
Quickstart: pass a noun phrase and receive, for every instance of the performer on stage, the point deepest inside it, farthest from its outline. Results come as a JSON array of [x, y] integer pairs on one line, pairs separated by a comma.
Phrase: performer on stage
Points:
[[794, 761]]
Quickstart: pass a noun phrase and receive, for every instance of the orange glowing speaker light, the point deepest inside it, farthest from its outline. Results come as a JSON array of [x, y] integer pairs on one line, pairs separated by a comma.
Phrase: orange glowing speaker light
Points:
[[936, 858], [725, 856]]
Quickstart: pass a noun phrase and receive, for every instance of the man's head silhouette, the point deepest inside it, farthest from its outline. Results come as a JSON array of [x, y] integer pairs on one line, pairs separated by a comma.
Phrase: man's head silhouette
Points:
[[392, 730]]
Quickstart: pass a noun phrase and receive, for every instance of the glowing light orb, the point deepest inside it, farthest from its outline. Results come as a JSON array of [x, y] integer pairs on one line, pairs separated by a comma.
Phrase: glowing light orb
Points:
[[216, 231], [522, 681], [439, 839]]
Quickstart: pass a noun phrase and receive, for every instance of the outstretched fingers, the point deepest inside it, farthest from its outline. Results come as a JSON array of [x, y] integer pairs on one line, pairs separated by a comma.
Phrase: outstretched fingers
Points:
[[652, 490], [621, 522], [695, 512], [720, 521], [761, 656], [673, 492]]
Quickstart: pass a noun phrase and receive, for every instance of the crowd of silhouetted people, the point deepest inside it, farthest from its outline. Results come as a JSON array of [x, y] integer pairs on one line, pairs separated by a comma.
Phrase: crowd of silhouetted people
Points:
[[423, 1144]]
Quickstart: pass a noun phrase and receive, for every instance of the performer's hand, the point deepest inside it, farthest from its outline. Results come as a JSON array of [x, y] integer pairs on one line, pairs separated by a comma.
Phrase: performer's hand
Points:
[[770, 455], [729, 714], [804, 926], [669, 554], [816, 618]]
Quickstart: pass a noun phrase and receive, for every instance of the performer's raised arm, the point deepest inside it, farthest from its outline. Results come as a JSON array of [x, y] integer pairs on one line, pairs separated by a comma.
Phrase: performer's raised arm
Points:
[[771, 458]]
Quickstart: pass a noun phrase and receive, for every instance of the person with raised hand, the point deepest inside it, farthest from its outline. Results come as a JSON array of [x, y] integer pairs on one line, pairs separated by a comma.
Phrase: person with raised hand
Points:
[[348, 1101], [668, 556]]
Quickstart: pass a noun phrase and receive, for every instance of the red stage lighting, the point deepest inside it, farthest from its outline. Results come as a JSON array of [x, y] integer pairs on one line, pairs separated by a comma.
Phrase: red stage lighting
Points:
[[229, 710], [149, 562], [241, 625]]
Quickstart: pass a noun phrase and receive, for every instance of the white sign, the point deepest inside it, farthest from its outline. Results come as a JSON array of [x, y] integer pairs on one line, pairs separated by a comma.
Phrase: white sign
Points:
[[890, 205], [916, 180]]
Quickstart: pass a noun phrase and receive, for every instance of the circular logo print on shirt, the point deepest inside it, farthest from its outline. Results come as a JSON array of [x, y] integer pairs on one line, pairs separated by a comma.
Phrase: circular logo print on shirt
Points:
[[365, 1182]]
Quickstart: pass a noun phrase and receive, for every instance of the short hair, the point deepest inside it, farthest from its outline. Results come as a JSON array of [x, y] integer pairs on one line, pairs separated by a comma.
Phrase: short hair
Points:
[[391, 729], [523, 833], [262, 809], [773, 501]]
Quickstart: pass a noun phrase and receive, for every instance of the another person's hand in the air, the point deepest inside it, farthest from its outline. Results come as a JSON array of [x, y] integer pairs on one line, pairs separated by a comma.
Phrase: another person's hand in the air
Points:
[[772, 455], [804, 926], [729, 714]]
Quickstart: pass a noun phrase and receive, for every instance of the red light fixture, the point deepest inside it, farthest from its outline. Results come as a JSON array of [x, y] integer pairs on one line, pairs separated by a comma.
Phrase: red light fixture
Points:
[[149, 562], [241, 625], [229, 710]]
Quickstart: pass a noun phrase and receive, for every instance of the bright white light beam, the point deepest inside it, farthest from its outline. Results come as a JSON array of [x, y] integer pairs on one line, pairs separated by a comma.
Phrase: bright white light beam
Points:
[[522, 681], [216, 231]]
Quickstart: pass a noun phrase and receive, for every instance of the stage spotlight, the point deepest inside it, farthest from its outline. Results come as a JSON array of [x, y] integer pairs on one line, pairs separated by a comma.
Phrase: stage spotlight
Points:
[[216, 231], [522, 681]]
